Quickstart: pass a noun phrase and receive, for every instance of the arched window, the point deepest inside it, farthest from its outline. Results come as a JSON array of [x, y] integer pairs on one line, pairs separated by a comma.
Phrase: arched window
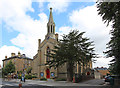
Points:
[[51, 29], [48, 52]]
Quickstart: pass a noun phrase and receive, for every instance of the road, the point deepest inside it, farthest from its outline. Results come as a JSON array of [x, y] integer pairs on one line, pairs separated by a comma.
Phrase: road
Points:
[[53, 84]]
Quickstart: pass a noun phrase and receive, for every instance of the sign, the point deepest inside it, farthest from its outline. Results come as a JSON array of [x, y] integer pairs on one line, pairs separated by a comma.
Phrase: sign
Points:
[[42, 74], [52, 74]]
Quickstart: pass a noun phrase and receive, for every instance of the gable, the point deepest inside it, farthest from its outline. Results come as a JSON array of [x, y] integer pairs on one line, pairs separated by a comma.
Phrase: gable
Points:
[[50, 42]]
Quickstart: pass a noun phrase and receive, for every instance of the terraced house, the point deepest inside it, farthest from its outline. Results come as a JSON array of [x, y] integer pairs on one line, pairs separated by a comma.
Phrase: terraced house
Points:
[[20, 61]]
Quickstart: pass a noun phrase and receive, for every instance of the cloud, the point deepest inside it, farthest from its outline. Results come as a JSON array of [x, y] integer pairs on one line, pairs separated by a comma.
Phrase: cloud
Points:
[[30, 30], [102, 62], [87, 20], [7, 50], [15, 17], [59, 6]]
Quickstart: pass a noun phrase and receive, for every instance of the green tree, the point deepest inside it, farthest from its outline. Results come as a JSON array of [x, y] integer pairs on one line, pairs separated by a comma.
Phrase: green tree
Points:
[[9, 68], [29, 69], [110, 12], [72, 49]]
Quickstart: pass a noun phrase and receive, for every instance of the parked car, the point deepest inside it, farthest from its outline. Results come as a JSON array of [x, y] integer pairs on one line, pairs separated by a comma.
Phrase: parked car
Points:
[[108, 78]]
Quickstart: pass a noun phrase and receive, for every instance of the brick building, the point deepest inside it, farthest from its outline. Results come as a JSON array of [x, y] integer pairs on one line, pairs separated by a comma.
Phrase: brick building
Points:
[[20, 61]]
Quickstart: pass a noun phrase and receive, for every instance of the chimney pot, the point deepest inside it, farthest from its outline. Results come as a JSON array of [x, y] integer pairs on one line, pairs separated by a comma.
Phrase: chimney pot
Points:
[[12, 54], [5, 57], [56, 36], [19, 54]]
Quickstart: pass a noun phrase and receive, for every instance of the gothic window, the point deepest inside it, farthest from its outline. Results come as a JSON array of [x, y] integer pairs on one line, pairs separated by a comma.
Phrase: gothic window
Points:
[[51, 28], [48, 52]]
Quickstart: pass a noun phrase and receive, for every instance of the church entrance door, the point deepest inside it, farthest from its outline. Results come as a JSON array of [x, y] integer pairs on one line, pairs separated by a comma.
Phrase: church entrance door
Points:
[[47, 73]]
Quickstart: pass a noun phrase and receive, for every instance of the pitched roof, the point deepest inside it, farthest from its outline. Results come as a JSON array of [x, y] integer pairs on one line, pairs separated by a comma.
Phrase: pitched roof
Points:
[[104, 72], [19, 57]]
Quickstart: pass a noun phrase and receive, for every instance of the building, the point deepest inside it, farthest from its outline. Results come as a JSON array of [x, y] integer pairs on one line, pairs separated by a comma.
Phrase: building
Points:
[[39, 60], [20, 61], [39, 68], [101, 72]]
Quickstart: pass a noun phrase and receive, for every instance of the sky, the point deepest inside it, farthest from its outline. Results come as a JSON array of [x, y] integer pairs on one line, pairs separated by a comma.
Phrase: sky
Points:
[[23, 22]]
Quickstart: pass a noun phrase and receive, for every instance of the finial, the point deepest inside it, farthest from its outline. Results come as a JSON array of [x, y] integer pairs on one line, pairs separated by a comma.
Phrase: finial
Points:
[[50, 8]]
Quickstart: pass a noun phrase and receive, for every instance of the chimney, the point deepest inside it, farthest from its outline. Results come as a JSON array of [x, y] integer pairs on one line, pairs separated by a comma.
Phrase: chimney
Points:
[[56, 36], [39, 42], [5, 57], [12, 54], [19, 54], [23, 55]]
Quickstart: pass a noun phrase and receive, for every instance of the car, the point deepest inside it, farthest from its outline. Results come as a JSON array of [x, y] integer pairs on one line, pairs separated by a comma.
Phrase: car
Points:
[[107, 78]]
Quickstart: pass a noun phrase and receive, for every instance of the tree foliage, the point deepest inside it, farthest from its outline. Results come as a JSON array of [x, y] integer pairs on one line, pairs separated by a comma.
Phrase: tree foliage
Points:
[[110, 12], [29, 69], [9, 68], [72, 49]]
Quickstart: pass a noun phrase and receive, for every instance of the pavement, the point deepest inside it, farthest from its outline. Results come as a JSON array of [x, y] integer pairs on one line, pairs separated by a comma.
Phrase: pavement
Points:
[[95, 83]]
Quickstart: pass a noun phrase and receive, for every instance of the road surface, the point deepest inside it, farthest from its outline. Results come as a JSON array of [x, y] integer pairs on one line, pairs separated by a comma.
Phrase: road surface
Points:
[[53, 84]]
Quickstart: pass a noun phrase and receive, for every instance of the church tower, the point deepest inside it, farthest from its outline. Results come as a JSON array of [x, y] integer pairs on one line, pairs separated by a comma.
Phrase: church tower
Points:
[[50, 27]]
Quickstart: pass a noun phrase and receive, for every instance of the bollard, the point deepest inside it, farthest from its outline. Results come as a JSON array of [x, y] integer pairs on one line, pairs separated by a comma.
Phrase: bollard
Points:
[[20, 85], [73, 79]]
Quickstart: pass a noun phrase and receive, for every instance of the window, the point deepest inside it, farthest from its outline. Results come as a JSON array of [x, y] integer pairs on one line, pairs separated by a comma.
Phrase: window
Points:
[[48, 52], [51, 28], [5, 62]]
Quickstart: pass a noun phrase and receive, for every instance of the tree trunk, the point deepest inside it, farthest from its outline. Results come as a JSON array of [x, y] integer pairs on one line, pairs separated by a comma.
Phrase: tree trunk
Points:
[[83, 69], [69, 72]]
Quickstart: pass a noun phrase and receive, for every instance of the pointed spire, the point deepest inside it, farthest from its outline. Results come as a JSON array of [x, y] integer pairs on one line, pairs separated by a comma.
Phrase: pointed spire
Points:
[[51, 16], [50, 26]]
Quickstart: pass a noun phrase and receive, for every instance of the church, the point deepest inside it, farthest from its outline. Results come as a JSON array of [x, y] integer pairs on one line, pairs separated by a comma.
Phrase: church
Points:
[[39, 60]]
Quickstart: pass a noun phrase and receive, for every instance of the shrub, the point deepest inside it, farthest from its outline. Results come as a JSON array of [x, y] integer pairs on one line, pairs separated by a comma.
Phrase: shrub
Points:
[[60, 79], [43, 79], [33, 76], [28, 76], [19, 77]]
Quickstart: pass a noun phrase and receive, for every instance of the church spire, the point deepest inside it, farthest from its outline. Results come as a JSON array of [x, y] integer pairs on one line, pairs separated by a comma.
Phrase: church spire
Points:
[[51, 24], [51, 17]]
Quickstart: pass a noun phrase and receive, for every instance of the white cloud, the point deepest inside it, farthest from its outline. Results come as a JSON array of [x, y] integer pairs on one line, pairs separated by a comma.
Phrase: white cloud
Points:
[[88, 20], [59, 6], [15, 17], [64, 30], [7, 50], [102, 62]]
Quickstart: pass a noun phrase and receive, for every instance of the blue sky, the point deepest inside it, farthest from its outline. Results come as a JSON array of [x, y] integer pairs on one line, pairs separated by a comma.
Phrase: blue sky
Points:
[[24, 23]]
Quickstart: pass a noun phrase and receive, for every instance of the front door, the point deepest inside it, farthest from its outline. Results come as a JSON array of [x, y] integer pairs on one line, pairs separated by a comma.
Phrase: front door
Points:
[[47, 73]]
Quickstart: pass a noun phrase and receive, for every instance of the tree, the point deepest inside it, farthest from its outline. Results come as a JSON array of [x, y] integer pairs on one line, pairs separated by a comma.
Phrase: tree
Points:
[[72, 49], [29, 69], [9, 68], [110, 12]]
